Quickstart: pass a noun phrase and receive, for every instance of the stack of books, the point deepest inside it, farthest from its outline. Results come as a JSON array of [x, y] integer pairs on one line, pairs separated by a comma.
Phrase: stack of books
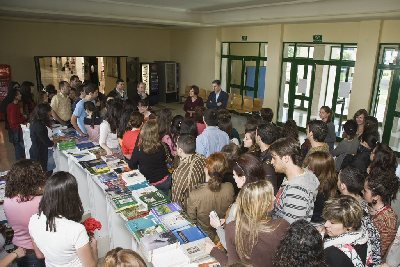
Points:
[[96, 166], [66, 145]]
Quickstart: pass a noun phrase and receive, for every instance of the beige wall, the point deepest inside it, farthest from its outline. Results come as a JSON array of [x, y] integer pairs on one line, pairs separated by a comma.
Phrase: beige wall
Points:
[[21, 41], [196, 50]]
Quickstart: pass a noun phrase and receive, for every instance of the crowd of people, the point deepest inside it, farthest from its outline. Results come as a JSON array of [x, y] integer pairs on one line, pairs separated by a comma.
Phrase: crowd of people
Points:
[[278, 202]]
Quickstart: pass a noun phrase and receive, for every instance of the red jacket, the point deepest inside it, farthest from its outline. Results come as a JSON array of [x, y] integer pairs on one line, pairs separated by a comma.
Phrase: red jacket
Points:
[[14, 116]]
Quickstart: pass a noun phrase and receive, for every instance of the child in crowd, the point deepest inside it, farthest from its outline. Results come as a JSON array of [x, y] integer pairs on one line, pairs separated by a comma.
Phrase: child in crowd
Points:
[[92, 121]]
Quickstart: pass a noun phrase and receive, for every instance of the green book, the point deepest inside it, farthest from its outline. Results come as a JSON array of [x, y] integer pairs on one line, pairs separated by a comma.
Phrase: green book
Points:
[[154, 199], [123, 201]]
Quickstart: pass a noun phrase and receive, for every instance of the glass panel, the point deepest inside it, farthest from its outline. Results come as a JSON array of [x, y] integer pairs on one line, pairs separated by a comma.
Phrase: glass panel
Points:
[[263, 49], [284, 96], [225, 48], [288, 50], [321, 52], [286, 80], [389, 56], [394, 141], [224, 73], [302, 51], [335, 54], [349, 53], [236, 71], [303, 88], [249, 77], [170, 77], [330, 86], [384, 84], [300, 115], [244, 49]]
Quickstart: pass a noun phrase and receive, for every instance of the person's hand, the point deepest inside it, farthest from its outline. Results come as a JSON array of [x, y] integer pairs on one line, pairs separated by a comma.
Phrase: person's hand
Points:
[[109, 152], [209, 247], [20, 252], [93, 243], [219, 104], [216, 223]]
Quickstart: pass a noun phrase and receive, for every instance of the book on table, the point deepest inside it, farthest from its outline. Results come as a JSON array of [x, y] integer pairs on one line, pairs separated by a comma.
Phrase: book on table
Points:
[[166, 208], [154, 199], [144, 226], [83, 146], [133, 177], [151, 245], [123, 201], [96, 166], [190, 234], [66, 145], [172, 258], [110, 176], [134, 212], [174, 221], [138, 186], [196, 250]]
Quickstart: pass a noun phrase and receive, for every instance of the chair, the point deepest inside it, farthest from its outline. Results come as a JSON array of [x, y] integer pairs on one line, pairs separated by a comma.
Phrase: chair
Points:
[[237, 103], [203, 94], [257, 105], [230, 102], [247, 104]]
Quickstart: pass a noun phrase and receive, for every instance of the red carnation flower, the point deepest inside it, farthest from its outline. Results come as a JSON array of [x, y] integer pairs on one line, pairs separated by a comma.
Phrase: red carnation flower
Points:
[[91, 225]]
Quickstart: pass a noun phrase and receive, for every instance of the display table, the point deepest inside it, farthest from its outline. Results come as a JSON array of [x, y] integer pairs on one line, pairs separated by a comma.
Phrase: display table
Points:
[[95, 204]]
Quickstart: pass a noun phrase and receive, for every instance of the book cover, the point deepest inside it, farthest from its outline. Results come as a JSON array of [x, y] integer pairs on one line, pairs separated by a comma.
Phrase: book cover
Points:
[[134, 212], [123, 201], [166, 208], [138, 186], [142, 223], [83, 146], [110, 176], [189, 234], [170, 258], [158, 243], [174, 221], [196, 250], [133, 177], [154, 199]]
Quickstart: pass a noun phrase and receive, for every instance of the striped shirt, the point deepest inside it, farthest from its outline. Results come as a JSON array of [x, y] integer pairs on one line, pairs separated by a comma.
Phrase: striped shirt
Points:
[[189, 173]]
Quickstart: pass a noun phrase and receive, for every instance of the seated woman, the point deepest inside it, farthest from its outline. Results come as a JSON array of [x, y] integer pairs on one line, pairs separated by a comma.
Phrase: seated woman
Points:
[[150, 157], [379, 191], [359, 117], [323, 166], [302, 245], [213, 195], [382, 159], [254, 236], [164, 121], [246, 169], [348, 145], [225, 124], [198, 117], [108, 139], [92, 121], [249, 144], [56, 231], [131, 135], [24, 187], [144, 108], [192, 101], [347, 244]]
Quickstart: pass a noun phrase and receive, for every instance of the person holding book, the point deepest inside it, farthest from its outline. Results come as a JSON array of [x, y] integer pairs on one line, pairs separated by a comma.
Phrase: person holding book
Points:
[[150, 157], [108, 128], [190, 171], [23, 193], [253, 237], [92, 121], [119, 257], [129, 139], [56, 231], [213, 195], [39, 133]]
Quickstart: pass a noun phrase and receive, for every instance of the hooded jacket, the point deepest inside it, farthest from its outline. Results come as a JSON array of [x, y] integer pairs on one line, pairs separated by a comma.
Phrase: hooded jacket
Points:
[[295, 199]]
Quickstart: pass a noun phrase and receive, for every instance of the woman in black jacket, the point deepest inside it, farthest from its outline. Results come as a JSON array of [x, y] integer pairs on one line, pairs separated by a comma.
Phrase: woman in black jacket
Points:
[[39, 134]]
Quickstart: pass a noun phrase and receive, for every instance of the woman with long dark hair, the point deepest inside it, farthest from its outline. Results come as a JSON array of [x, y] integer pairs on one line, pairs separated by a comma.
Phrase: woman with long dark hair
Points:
[[150, 157], [40, 134], [56, 231], [92, 121], [28, 104], [326, 115], [24, 187], [382, 159], [108, 128]]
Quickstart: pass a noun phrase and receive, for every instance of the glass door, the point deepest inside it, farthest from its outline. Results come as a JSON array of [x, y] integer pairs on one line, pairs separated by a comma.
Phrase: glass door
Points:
[[301, 87], [385, 104]]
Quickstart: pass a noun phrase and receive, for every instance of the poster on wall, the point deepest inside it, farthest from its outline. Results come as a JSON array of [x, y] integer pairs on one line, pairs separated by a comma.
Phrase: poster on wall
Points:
[[5, 79]]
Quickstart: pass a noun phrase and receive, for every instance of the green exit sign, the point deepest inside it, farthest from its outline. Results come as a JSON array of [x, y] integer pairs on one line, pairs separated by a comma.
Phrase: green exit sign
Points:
[[244, 37], [317, 38]]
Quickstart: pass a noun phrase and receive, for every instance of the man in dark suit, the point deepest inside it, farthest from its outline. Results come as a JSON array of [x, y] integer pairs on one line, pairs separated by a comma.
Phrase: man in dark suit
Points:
[[119, 91], [217, 99]]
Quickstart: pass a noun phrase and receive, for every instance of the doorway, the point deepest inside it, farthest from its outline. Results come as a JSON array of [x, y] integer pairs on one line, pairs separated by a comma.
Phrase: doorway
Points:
[[315, 75], [385, 105]]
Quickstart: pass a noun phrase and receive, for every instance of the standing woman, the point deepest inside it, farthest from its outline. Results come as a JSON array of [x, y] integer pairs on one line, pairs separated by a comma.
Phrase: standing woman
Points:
[[108, 128], [359, 117], [150, 157], [323, 166], [253, 237], [39, 134], [192, 101], [14, 120], [56, 231], [325, 114], [379, 191], [24, 187], [28, 104]]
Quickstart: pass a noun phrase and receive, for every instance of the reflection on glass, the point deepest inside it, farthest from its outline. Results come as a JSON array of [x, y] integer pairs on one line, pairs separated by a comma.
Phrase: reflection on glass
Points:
[[349, 53], [335, 54], [389, 56], [394, 141]]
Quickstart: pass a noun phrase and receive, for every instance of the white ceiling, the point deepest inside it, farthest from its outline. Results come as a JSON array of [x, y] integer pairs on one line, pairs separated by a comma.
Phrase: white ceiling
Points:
[[194, 13]]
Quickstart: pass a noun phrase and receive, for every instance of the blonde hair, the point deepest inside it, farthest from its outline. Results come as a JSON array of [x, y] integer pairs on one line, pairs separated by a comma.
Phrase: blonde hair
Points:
[[253, 203], [149, 137], [119, 257]]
